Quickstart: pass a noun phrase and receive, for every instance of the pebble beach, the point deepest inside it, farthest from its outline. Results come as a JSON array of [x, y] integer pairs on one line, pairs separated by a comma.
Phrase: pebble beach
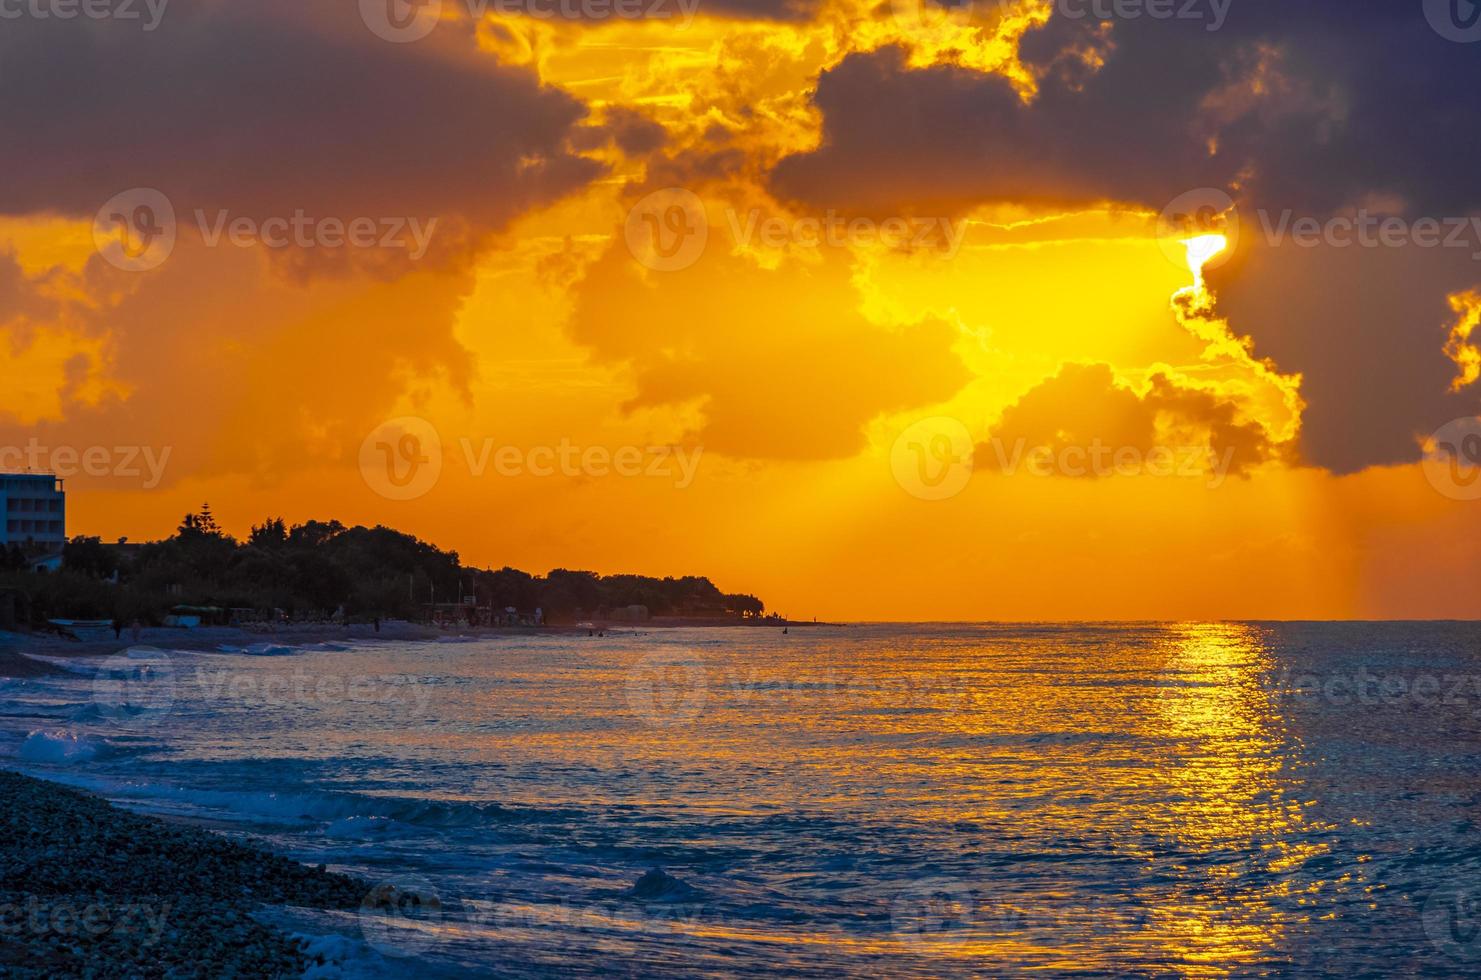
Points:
[[89, 890]]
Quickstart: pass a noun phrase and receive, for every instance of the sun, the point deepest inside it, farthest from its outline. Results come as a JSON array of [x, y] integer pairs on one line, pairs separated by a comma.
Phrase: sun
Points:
[[1201, 250]]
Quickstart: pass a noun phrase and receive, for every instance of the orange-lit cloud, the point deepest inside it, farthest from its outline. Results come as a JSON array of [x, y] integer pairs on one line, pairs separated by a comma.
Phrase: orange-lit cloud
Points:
[[1046, 310], [1460, 348]]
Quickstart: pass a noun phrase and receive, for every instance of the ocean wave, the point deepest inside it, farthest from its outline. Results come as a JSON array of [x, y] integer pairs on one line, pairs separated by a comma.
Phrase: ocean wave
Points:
[[332, 942], [364, 815], [259, 650], [283, 649], [64, 748], [337, 957]]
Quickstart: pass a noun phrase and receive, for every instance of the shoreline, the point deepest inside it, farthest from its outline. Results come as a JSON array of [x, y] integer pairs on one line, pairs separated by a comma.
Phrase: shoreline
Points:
[[19, 650], [84, 882]]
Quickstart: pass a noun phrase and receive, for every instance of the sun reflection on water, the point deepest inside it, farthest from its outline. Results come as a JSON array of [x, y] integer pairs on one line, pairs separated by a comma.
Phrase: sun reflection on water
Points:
[[993, 799], [1232, 811]]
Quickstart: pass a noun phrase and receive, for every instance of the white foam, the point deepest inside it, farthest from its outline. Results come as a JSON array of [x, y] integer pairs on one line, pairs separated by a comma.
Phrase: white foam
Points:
[[345, 955], [269, 650], [258, 649], [63, 748], [336, 950]]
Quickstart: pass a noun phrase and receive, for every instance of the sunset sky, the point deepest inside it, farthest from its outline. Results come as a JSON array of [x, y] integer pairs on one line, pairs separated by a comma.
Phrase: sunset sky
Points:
[[842, 256]]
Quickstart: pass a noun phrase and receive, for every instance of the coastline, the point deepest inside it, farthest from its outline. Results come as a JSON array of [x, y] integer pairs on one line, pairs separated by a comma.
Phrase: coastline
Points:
[[542, 784], [19, 650], [208, 638], [85, 883]]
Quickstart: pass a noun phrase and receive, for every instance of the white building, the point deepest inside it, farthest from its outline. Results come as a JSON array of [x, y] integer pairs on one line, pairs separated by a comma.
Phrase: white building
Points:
[[34, 509]]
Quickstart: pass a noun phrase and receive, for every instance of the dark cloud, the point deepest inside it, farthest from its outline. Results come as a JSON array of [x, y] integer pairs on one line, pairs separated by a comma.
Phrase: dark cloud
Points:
[[224, 355], [628, 129], [1311, 108], [266, 108], [1317, 104], [944, 139], [1081, 404], [1366, 328], [783, 10], [1084, 407], [698, 166], [679, 12], [1315, 108], [928, 141]]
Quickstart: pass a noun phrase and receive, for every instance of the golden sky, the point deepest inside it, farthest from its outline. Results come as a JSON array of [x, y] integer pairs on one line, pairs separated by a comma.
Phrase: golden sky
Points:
[[878, 311]]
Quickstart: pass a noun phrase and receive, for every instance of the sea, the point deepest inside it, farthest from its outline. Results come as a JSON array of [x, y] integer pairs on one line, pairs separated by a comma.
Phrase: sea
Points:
[[925, 800]]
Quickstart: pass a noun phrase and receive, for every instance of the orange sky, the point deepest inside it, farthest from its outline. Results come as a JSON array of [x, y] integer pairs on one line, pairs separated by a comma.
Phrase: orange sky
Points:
[[840, 406]]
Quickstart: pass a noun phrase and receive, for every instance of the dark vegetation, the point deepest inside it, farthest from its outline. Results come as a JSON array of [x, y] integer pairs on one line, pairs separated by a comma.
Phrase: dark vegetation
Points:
[[319, 570]]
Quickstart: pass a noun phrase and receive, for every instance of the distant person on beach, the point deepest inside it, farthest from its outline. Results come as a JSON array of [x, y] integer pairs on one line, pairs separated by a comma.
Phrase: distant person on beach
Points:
[[117, 628], [377, 624]]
